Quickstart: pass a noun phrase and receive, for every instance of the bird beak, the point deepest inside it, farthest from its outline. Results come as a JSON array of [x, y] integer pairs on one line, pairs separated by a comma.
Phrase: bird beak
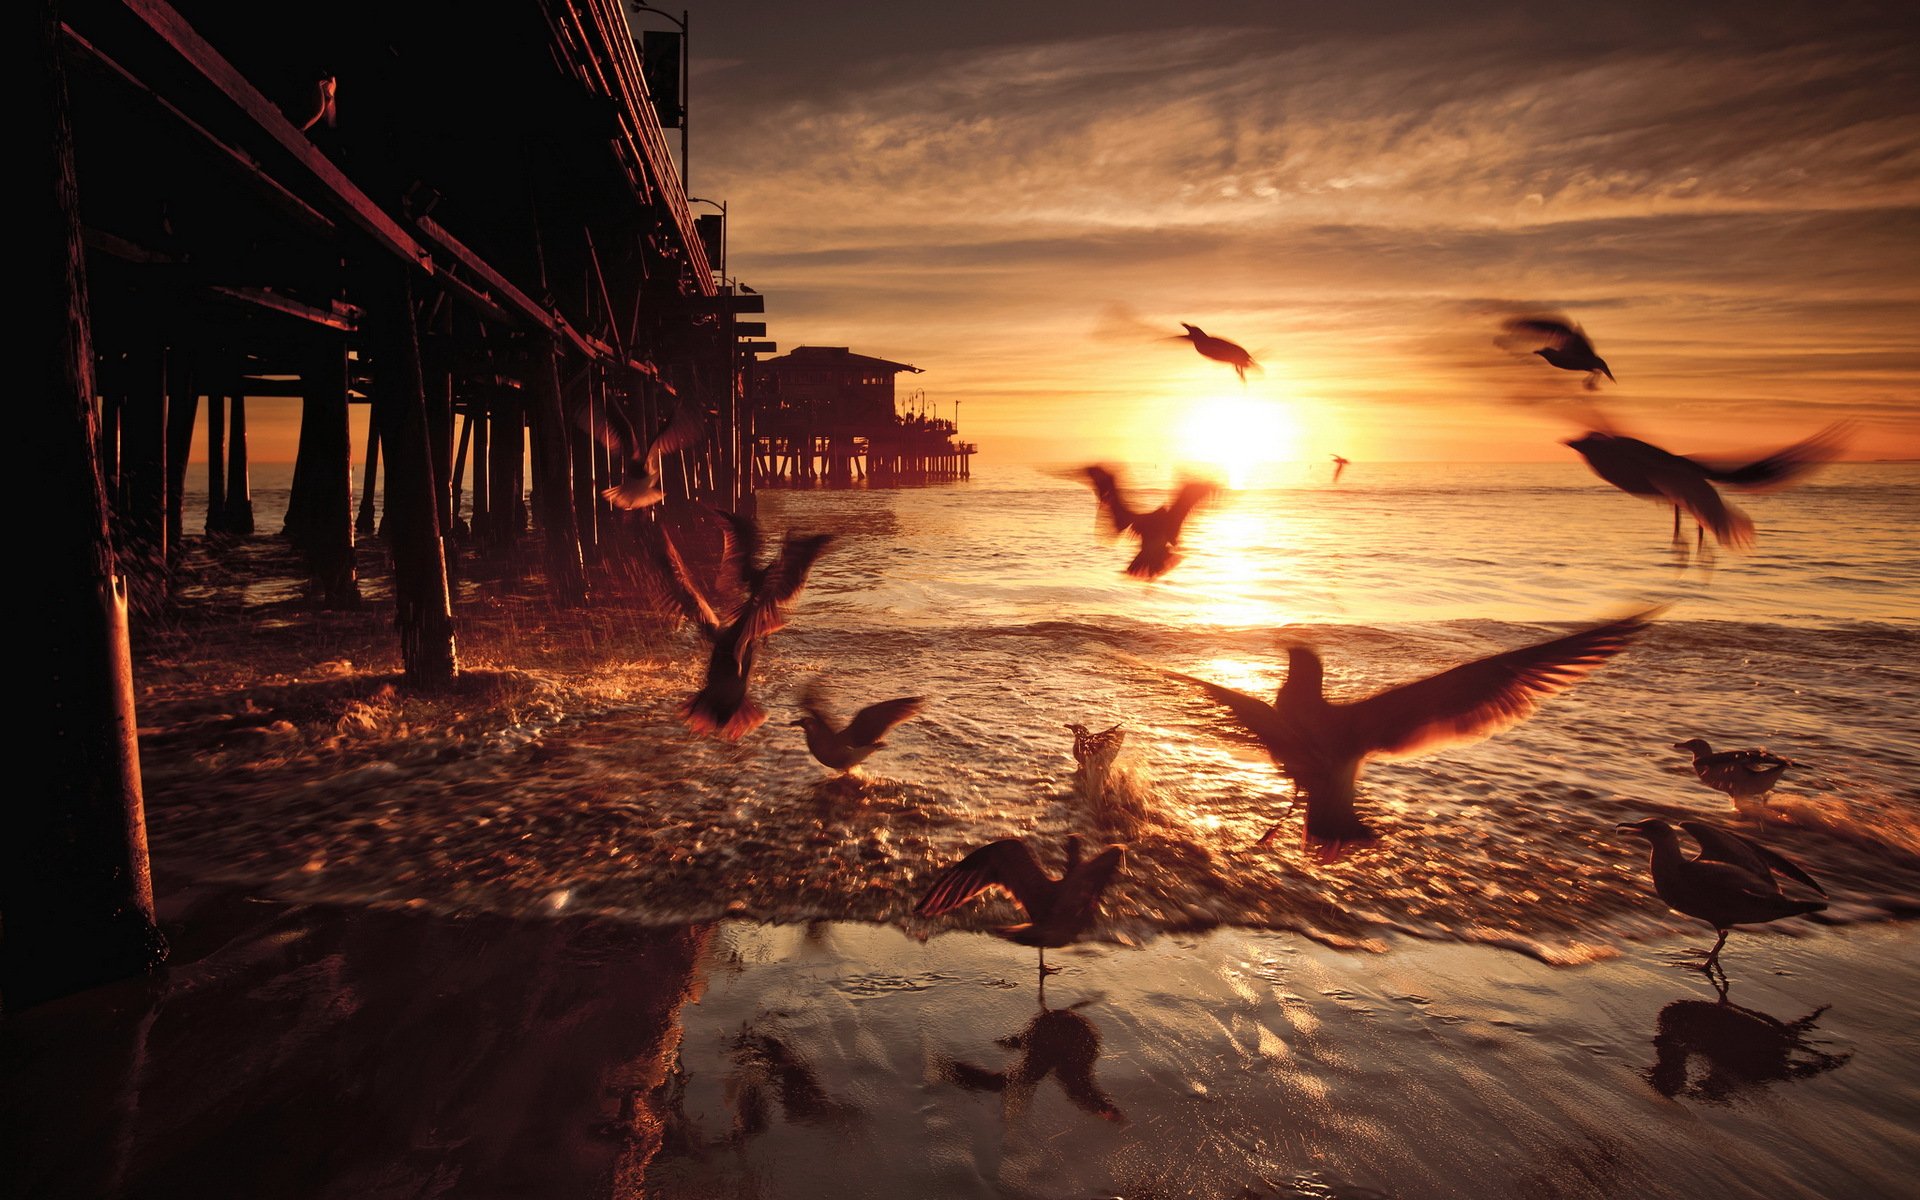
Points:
[[1680, 746], [796, 723]]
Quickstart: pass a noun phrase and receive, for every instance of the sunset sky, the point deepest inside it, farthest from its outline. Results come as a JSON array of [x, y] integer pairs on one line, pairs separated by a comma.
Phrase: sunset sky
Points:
[[1025, 198]]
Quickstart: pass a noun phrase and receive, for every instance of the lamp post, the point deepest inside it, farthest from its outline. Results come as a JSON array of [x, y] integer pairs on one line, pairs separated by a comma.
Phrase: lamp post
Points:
[[722, 206], [686, 81]]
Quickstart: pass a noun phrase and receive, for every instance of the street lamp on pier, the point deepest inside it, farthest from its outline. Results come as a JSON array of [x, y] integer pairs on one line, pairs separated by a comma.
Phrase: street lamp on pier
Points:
[[650, 71]]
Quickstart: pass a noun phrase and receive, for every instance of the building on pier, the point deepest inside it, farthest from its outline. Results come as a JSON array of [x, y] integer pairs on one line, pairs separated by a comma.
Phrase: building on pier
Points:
[[826, 414]]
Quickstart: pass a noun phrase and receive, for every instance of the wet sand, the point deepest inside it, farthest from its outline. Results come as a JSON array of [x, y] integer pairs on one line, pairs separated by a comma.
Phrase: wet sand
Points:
[[338, 1051]]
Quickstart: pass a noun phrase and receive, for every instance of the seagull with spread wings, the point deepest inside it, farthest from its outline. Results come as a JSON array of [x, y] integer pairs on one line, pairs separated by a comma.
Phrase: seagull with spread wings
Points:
[[1566, 346], [1322, 744], [644, 485], [1158, 529], [1058, 910], [722, 705], [844, 747], [1643, 469]]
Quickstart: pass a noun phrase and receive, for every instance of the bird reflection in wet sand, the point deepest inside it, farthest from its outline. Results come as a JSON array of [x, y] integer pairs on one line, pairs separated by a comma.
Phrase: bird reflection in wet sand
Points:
[[644, 485], [1643, 469], [845, 747], [1058, 1042], [1739, 1049], [1058, 910], [1158, 529], [1730, 882], [1741, 774], [722, 705], [1218, 349], [1566, 345], [766, 1067], [1322, 744]]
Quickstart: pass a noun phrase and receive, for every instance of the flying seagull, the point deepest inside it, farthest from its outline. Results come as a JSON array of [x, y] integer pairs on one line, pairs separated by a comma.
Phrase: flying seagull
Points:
[[845, 747], [1218, 349], [1058, 910], [1712, 889], [1339, 467], [1158, 530], [643, 485], [1741, 774], [1322, 745], [1567, 345], [722, 705], [1643, 469]]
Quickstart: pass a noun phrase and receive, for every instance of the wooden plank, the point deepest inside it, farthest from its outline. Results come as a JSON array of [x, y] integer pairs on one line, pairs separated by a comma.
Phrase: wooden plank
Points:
[[355, 204], [346, 321]]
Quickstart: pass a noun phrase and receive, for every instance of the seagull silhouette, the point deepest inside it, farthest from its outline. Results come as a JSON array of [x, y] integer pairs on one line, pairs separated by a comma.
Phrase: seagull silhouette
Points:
[[1058, 910], [1089, 746], [1058, 1042], [722, 705], [1339, 467], [1741, 774], [643, 485], [1218, 349], [844, 747], [1567, 345], [1643, 469], [1322, 745], [1710, 888], [1158, 530]]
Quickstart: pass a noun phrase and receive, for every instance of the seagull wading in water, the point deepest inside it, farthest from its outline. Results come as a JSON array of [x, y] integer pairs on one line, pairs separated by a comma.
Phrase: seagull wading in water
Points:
[[722, 705], [1730, 882], [845, 747], [1741, 774], [1322, 744], [1218, 349], [1158, 530], [1058, 910]]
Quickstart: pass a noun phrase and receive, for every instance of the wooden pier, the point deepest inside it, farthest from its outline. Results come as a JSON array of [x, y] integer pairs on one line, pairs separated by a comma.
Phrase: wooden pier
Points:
[[824, 415]]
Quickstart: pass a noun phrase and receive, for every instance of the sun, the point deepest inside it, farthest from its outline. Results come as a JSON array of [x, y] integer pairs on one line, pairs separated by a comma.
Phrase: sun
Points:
[[1237, 434]]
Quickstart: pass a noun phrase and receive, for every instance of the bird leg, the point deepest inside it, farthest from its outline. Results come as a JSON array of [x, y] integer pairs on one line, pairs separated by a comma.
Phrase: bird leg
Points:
[[1713, 956], [1046, 970], [1267, 837]]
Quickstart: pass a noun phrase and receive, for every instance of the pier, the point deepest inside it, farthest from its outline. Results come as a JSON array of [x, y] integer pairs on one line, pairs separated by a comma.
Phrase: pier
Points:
[[823, 414]]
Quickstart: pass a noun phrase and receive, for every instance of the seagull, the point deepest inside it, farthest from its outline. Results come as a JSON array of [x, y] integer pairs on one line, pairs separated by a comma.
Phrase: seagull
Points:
[[1643, 469], [845, 747], [1089, 746], [1339, 466], [1567, 346], [1159, 530], [722, 705], [1741, 774], [1218, 349], [643, 486], [1719, 892], [1725, 846], [1322, 745], [1058, 910]]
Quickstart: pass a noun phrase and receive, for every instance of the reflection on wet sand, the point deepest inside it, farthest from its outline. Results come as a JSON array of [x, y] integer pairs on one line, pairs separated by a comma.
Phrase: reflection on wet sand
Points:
[[1715, 1050], [1058, 1041]]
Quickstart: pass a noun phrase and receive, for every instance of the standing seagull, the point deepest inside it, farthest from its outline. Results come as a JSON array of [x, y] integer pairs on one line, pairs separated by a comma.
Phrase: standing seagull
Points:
[[722, 705], [1567, 346], [1058, 910], [1218, 349], [1643, 469], [1710, 889], [1741, 774], [1089, 746], [643, 485], [1339, 466], [1158, 530], [1321, 745], [844, 748]]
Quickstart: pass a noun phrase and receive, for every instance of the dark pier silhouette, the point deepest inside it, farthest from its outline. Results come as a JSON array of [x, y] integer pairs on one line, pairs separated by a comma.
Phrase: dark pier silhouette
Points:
[[479, 232], [824, 414]]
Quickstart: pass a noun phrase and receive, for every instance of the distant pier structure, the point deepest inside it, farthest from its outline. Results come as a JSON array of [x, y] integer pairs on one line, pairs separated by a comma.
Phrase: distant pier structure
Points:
[[823, 414]]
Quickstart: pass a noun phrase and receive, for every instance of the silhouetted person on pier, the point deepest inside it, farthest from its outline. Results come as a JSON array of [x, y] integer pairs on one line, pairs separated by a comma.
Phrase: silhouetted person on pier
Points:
[[1058, 910], [1158, 529], [1219, 350], [722, 705], [1566, 346], [1322, 744], [1643, 469]]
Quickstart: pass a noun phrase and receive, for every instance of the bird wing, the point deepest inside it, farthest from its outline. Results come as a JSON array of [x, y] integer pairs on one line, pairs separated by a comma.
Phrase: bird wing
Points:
[[871, 723], [1732, 877], [608, 426], [1782, 466], [1477, 698], [1683, 482], [1007, 863], [1556, 329], [739, 547], [1192, 494], [684, 428], [686, 593], [1255, 715], [813, 699], [1106, 490], [763, 613], [1722, 845], [1082, 888]]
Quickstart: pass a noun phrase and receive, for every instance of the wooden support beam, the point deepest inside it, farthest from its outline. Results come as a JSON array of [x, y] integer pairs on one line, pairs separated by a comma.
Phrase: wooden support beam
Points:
[[183, 405], [320, 509], [338, 315], [143, 471], [239, 520], [553, 479], [216, 461], [75, 887], [365, 525]]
